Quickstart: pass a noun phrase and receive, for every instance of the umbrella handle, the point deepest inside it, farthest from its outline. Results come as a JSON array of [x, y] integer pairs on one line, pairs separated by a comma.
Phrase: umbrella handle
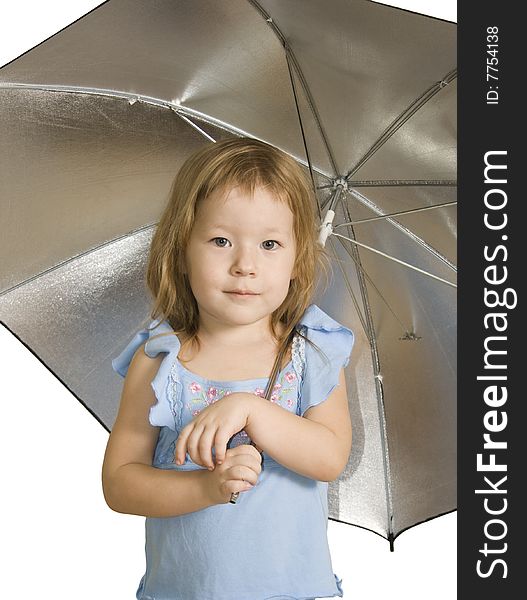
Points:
[[326, 229], [269, 389]]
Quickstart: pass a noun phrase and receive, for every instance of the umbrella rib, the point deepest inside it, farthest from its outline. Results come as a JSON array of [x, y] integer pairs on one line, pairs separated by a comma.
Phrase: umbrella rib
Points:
[[196, 127], [397, 260], [350, 290], [397, 183], [397, 214], [314, 111], [292, 79], [405, 329], [404, 183], [379, 389], [309, 98], [414, 237], [402, 118]]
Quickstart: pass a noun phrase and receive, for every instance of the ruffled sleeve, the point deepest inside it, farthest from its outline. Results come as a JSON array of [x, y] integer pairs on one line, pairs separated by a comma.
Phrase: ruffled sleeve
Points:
[[159, 337], [322, 369]]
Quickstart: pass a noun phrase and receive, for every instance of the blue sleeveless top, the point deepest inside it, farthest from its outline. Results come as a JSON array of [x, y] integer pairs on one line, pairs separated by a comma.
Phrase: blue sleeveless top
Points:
[[271, 544]]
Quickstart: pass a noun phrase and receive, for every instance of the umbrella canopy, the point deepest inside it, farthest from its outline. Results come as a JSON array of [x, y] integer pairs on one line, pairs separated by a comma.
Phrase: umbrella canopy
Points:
[[96, 121]]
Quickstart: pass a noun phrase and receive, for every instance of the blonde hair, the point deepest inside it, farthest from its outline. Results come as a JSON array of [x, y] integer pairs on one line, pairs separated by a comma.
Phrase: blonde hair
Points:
[[245, 163]]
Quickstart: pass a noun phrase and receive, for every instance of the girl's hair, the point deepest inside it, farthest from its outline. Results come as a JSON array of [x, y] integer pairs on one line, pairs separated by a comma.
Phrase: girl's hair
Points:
[[245, 163]]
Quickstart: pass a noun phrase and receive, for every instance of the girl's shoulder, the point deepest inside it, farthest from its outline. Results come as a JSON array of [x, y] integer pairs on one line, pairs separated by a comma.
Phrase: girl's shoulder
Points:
[[158, 337]]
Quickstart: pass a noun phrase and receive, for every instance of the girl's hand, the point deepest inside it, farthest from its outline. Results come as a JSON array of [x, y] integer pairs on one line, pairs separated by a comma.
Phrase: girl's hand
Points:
[[214, 426], [238, 473]]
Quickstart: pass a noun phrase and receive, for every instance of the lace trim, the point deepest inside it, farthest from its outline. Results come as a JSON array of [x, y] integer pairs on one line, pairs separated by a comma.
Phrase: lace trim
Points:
[[174, 391], [298, 353]]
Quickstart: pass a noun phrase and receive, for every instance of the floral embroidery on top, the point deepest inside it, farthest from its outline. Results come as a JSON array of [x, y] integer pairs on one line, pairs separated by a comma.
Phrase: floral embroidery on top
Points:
[[202, 396], [290, 376]]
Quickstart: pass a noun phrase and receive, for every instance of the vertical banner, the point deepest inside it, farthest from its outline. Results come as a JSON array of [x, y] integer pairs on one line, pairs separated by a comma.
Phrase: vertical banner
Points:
[[492, 255]]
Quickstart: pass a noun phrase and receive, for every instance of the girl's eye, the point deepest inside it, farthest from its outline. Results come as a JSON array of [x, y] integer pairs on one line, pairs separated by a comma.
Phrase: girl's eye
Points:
[[221, 242], [270, 244]]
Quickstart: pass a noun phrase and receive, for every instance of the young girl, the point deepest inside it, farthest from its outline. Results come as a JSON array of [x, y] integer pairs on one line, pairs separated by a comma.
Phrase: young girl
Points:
[[233, 480]]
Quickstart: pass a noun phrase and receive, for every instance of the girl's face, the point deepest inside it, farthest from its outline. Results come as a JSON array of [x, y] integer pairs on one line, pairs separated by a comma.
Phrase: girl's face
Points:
[[240, 256]]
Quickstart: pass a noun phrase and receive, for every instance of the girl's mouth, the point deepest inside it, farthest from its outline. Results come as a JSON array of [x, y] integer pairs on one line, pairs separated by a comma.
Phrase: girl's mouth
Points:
[[242, 293]]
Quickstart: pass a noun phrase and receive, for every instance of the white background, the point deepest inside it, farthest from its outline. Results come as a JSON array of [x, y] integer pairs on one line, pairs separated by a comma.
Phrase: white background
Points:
[[59, 539]]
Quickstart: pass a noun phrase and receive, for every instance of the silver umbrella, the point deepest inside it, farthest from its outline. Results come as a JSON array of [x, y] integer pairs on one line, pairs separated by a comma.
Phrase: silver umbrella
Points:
[[96, 121]]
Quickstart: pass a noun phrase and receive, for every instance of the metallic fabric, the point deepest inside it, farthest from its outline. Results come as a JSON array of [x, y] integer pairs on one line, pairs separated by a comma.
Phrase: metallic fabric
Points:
[[94, 124]]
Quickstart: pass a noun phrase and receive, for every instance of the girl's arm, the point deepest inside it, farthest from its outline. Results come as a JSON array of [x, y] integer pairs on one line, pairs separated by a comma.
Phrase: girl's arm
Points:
[[130, 483], [316, 445]]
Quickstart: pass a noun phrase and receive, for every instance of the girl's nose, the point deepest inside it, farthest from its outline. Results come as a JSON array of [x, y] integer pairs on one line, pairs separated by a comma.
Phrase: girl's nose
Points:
[[243, 264]]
